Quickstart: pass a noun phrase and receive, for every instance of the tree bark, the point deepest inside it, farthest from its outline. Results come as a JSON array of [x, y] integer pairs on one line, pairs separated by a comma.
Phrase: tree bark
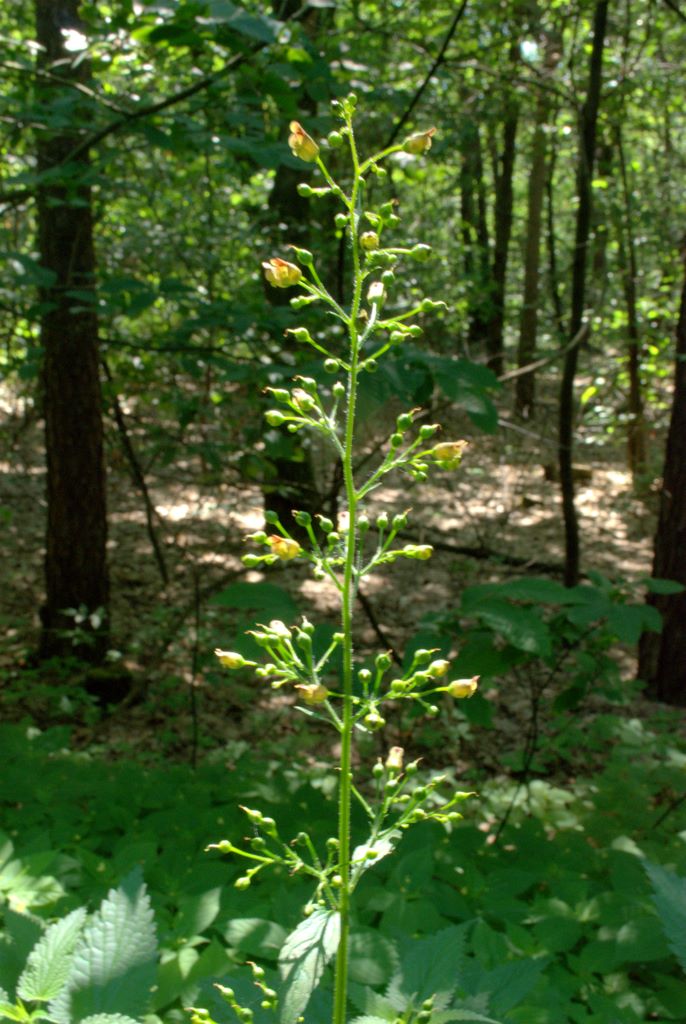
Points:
[[475, 236], [589, 119], [75, 561], [504, 197], [662, 657]]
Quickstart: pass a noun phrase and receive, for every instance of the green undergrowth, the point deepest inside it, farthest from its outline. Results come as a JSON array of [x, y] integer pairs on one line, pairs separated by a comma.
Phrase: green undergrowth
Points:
[[571, 914]]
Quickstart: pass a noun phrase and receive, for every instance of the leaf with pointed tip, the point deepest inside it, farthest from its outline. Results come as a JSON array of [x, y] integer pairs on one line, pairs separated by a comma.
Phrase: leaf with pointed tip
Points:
[[114, 962], [302, 960], [50, 960]]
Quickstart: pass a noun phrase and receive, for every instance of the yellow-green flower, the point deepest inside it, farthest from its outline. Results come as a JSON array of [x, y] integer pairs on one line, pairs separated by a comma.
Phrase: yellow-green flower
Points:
[[419, 143], [231, 659], [463, 687], [448, 454], [394, 761], [302, 145], [312, 693], [280, 273], [284, 548]]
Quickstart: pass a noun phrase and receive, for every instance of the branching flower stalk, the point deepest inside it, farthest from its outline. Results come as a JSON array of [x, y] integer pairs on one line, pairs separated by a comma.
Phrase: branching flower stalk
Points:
[[340, 553]]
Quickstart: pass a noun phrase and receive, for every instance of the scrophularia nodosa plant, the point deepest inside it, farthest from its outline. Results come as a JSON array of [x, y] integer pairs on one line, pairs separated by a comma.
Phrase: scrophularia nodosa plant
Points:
[[345, 553]]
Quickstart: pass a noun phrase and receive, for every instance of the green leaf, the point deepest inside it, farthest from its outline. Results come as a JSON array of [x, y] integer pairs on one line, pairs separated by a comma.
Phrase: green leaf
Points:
[[372, 957], [445, 1016], [260, 27], [302, 960], [522, 627], [370, 1020], [271, 601], [109, 1018], [49, 963], [256, 937], [114, 961], [670, 902], [430, 968], [660, 586]]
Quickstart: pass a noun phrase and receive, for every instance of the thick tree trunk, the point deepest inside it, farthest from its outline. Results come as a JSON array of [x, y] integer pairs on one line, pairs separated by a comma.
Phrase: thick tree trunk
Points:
[[589, 119], [662, 657], [75, 562]]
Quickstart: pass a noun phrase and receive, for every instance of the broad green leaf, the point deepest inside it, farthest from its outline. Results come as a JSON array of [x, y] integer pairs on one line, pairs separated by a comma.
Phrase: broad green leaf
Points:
[[430, 968], [522, 627], [367, 855], [11, 1012], [256, 937], [49, 963], [660, 586], [114, 961], [302, 960], [444, 1016], [670, 902], [109, 1018], [372, 958]]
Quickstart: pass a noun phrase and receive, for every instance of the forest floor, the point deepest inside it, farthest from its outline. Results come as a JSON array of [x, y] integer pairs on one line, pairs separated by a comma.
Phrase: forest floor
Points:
[[498, 518]]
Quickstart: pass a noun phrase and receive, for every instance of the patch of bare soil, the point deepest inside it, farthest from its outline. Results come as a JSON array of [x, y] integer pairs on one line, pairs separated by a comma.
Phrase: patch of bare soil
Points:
[[496, 518]]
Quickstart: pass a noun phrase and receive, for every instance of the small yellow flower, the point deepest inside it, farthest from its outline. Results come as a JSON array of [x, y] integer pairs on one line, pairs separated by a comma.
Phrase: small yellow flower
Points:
[[302, 145], [394, 761], [230, 659], [463, 687], [312, 693], [280, 273], [284, 548], [419, 143], [448, 454]]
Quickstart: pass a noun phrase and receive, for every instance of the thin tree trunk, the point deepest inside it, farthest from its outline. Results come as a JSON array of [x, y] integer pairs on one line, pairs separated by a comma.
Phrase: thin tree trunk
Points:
[[528, 326], [475, 233], [75, 563], [662, 657], [589, 118], [636, 434], [504, 198]]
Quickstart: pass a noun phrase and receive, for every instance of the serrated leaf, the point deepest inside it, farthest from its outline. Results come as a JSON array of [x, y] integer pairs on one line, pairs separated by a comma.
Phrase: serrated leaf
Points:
[[302, 960], [114, 962], [109, 1018], [444, 1016], [430, 969], [670, 903], [370, 1020], [11, 1012], [378, 848], [50, 960]]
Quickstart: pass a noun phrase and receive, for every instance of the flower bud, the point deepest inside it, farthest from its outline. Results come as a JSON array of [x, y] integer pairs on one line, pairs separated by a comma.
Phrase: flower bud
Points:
[[313, 693], [300, 334], [280, 273], [303, 256], [364, 675], [463, 687], [383, 662], [448, 454], [242, 883], [284, 548], [428, 430], [301, 518], [382, 521], [394, 761], [335, 139], [280, 628], [274, 417], [341, 221], [338, 390], [302, 145], [374, 721], [396, 440], [325, 524], [305, 190], [387, 278], [418, 143], [378, 770], [309, 384], [404, 421], [369, 240], [399, 521], [438, 668], [231, 659], [376, 293], [420, 252], [251, 561], [331, 365], [302, 401], [420, 551]]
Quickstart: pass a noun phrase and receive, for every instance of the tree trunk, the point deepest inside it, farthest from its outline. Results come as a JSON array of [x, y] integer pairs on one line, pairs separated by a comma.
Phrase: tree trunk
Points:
[[504, 195], [475, 233], [636, 433], [662, 656], [589, 119], [528, 325], [75, 561]]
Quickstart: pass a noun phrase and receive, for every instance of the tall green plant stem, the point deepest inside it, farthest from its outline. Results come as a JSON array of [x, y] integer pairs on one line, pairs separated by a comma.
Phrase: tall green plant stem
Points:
[[348, 598]]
